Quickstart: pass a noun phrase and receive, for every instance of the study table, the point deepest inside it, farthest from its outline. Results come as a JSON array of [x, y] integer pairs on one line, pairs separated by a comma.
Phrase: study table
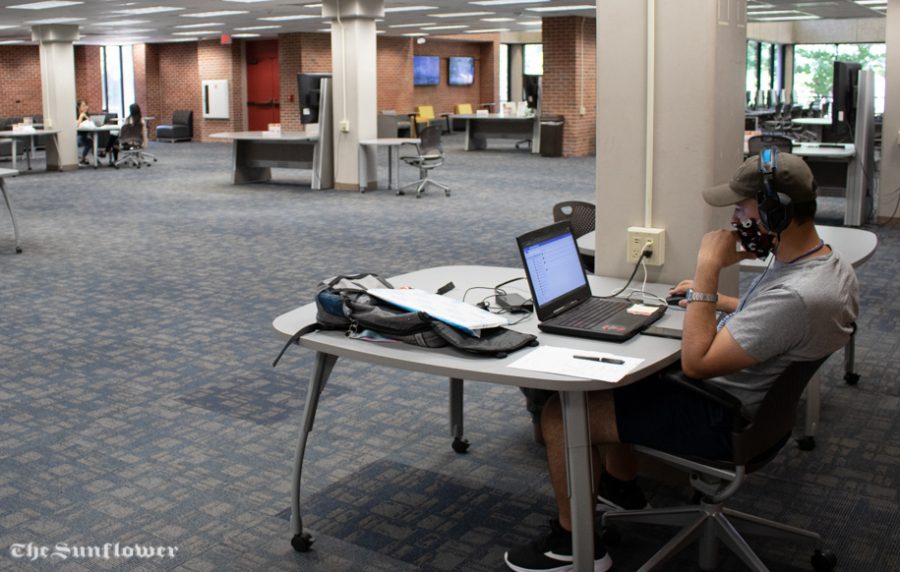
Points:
[[328, 346], [16, 136], [94, 130], [3, 174], [480, 128], [254, 153], [393, 145]]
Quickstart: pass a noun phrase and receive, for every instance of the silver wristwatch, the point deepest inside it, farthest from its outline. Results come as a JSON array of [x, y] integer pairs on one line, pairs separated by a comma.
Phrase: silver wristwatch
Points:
[[693, 296]]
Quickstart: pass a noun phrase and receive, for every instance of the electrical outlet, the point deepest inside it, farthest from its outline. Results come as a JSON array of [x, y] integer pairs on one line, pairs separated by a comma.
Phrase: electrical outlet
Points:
[[345, 126], [582, 110], [639, 236]]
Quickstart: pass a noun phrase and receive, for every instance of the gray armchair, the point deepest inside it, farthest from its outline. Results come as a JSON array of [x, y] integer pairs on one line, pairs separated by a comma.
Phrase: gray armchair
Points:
[[181, 128]]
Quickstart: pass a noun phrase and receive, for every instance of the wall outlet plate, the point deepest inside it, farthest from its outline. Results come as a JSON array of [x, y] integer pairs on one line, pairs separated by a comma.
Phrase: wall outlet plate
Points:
[[638, 236], [345, 126]]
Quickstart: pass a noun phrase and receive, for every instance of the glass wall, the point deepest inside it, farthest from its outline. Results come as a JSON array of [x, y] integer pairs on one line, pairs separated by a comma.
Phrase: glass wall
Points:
[[504, 72], [764, 68], [814, 67], [534, 59], [117, 75]]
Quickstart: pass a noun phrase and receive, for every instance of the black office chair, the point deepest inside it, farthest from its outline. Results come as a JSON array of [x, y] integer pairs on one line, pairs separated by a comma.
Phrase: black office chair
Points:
[[583, 218], [429, 155], [755, 443], [756, 143], [131, 144]]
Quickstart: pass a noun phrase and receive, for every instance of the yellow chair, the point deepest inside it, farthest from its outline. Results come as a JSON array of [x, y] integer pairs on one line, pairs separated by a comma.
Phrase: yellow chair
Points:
[[424, 114], [462, 109]]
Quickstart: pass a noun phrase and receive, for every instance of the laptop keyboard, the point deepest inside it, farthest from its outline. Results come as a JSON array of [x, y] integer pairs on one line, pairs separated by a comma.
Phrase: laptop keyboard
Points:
[[589, 313]]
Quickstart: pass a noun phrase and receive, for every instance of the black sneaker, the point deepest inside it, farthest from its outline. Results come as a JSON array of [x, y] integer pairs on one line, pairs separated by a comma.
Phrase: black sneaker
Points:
[[553, 553], [615, 494]]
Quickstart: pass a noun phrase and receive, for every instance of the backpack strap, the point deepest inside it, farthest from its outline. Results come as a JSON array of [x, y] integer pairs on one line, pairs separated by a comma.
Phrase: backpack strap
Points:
[[295, 339]]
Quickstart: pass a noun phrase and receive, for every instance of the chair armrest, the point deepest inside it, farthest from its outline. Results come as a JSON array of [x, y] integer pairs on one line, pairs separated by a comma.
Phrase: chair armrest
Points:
[[709, 391]]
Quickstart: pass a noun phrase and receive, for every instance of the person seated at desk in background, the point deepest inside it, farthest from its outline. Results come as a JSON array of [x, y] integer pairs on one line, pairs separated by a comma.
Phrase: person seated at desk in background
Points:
[[801, 308], [85, 141], [134, 118]]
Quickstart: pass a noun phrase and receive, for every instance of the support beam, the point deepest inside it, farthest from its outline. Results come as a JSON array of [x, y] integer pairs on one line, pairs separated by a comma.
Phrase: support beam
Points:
[[58, 89]]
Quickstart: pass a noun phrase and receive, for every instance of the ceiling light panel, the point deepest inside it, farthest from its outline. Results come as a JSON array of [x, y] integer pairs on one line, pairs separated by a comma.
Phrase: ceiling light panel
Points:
[[45, 5], [459, 27], [217, 14], [562, 8], [460, 14], [205, 25], [56, 21], [251, 28], [409, 9], [149, 10], [288, 18], [506, 2], [121, 23], [412, 25]]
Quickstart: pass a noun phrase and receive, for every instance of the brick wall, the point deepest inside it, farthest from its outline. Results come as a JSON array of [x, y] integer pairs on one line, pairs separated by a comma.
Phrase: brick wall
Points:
[[443, 96], [395, 72], [217, 61], [569, 83], [88, 77], [179, 81], [299, 52], [147, 85], [20, 87]]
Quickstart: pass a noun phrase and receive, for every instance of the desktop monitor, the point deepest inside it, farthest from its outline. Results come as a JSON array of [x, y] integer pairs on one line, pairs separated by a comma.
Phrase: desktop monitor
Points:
[[461, 70], [844, 91], [426, 70], [309, 89]]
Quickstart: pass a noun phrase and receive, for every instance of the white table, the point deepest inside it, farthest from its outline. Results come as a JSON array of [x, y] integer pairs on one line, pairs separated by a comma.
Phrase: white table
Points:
[[254, 153], [812, 121], [393, 144], [15, 136], [111, 129], [3, 174], [480, 128], [330, 345]]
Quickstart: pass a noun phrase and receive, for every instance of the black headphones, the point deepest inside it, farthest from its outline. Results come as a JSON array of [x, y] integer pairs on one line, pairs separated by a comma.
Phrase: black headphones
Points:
[[775, 209]]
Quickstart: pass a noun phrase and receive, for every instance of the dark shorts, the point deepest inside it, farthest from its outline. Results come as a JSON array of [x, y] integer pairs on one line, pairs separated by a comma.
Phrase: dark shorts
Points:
[[664, 416]]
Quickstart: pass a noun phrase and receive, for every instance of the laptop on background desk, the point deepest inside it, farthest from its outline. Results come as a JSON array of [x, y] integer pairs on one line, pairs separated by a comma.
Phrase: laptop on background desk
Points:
[[561, 294]]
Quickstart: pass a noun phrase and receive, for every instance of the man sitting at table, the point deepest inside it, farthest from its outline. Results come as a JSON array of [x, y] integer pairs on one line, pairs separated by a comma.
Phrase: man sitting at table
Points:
[[800, 309]]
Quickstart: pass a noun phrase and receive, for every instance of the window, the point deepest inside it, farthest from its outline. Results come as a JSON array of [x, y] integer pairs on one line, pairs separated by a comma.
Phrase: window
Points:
[[814, 67], [764, 68], [534, 59], [117, 75], [504, 72]]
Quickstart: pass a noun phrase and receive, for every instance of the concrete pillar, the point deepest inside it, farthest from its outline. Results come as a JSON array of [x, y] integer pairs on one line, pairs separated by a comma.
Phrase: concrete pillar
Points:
[[355, 93], [890, 139], [516, 69], [696, 131], [58, 89]]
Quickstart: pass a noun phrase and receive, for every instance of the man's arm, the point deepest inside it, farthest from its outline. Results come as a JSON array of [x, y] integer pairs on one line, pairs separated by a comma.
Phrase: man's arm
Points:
[[727, 304], [704, 351]]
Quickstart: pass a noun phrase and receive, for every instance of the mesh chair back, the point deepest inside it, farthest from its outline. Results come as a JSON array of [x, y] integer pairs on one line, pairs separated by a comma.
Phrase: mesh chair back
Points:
[[131, 136], [776, 415], [581, 215], [756, 143], [431, 141]]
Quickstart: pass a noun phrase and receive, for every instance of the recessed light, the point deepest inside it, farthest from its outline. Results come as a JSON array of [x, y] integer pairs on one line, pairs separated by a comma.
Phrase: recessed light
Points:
[[562, 8], [56, 21], [217, 14], [45, 5], [245, 34], [287, 18], [411, 25], [409, 8], [785, 18], [414, 34], [498, 19], [506, 2], [10, 42], [459, 27], [121, 22], [206, 25], [149, 10], [460, 14], [249, 28], [197, 33], [490, 31]]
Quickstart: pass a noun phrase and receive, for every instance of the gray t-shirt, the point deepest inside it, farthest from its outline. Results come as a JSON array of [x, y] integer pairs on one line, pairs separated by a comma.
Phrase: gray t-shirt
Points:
[[793, 312]]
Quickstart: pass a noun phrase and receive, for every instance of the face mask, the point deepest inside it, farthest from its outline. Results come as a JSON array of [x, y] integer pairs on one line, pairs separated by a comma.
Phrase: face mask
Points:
[[753, 238]]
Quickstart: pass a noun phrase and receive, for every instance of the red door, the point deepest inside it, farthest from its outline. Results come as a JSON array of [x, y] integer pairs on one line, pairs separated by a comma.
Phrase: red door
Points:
[[262, 84]]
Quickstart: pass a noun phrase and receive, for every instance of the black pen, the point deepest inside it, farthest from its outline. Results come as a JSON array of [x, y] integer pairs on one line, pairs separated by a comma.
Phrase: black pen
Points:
[[602, 359]]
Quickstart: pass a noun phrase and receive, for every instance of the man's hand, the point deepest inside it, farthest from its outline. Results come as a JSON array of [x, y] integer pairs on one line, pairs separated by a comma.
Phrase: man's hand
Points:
[[717, 250], [726, 303]]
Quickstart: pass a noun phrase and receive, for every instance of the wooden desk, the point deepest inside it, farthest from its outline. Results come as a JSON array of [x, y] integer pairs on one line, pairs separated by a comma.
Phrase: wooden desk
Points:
[[3, 174], [254, 153], [15, 136], [446, 362]]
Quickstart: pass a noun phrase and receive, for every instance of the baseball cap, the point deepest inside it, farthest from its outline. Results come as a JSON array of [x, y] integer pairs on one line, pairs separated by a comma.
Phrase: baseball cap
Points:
[[792, 177]]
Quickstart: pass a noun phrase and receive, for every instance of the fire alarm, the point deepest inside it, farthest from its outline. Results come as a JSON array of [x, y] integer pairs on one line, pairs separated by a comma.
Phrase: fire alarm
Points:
[[225, 39]]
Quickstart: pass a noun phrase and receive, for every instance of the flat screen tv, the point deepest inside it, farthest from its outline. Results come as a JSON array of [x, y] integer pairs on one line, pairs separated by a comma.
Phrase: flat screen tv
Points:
[[461, 70], [426, 70], [309, 87]]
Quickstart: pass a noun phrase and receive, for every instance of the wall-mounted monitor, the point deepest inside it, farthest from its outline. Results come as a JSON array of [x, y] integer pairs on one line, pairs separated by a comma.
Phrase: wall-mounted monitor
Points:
[[844, 91], [426, 70], [309, 89], [461, 70]]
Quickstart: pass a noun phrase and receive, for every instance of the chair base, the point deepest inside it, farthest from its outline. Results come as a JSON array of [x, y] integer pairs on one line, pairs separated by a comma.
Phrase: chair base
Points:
[[420, 186], [709, 523], [135, 159]]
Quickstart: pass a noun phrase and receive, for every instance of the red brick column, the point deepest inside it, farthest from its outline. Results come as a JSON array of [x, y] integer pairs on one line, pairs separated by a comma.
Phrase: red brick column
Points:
[[20, 92], [147, 86], [217, 61], [569, 86], [88, 77]]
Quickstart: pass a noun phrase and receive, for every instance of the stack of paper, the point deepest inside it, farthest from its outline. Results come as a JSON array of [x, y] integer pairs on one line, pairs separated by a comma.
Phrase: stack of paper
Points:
[[447, 310], [577, 363]]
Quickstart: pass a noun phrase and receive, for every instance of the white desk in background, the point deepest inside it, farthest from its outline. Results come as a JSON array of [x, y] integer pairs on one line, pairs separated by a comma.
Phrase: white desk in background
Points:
[[111, 129], [3, 174], [480, 128], [812, 121], [657, 353], [856, 246], [16, 136], [254, 153], [393, 144]]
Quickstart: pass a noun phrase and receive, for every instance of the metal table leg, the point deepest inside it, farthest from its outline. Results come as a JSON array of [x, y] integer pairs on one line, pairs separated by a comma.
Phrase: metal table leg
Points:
[[300, 540], [11, 215], [578, 472], [15, 150], [460, 445]]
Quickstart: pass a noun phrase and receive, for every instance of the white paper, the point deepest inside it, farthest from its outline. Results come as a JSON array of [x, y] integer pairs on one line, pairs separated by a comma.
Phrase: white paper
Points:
[[448, 310], [551, 359]]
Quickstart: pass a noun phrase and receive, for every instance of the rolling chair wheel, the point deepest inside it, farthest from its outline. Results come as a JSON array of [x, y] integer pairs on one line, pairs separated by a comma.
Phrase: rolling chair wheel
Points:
[[18, 250], [302, 542], [447, 193], [400, 193], [851, 378], [460, 445], [807, 443], [823, 561]]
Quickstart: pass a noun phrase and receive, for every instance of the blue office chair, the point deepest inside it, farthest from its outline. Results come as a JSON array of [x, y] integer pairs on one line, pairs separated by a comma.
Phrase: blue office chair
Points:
[[755, 442]]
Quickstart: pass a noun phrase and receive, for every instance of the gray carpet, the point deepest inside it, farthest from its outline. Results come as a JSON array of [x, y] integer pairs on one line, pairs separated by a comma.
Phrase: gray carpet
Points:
[[138, 403]]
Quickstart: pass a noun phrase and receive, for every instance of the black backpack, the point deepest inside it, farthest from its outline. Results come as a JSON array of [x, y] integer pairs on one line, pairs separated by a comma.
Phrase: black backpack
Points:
[[343, 304]]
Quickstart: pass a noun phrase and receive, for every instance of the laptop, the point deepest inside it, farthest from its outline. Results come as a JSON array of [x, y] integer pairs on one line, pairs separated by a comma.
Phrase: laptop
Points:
[[561, 294], [98, 120]]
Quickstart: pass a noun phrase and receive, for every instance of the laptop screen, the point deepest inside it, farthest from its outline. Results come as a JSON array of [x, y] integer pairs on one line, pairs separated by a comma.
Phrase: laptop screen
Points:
[[554, 267]]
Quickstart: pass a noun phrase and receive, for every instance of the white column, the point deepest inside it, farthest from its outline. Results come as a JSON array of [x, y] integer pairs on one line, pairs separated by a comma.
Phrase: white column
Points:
[[696, 133], [58, 88], [353, 57], [890, 132], [516, 69]]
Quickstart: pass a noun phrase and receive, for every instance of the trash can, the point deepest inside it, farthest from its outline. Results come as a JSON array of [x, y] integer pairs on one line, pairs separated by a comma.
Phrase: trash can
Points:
[[552, 135]]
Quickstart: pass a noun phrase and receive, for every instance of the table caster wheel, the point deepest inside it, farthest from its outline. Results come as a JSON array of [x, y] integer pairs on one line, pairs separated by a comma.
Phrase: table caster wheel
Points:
[[851, 378], [807, 443], [18, 250], [447, 193], [823, 561], [460, 445], [400, 193], [302, 542]]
